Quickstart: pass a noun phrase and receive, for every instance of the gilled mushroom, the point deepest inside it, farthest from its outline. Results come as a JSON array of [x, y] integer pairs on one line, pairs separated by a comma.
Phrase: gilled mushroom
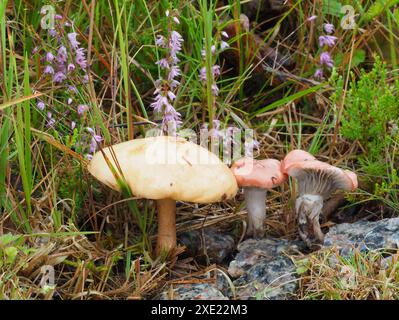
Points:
[[295, 156], [166, 169], [256, 176], [316, 181]]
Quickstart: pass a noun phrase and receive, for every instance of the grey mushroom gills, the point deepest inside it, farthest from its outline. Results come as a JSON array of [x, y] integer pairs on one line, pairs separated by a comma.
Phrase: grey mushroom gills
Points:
[[255, 201], [308, 208]]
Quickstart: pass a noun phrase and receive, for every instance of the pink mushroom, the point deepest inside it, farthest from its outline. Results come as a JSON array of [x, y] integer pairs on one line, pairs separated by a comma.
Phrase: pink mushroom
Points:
[[256, 176], [316, 181]]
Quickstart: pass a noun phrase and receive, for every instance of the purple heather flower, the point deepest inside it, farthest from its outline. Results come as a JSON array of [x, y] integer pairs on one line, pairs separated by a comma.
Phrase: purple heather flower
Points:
[[52, 32], [160, 41], [80, 58], [325, 59], [72, 39], [159, 102], [71, 67], [97, 138], [62, 55], [59, 77], [327, 40], [215, 90], [40, 105], [319, 74], [35, 50], [49, 57], [175, 42], [163, 63], [216, 70], [203, 74], [249, 146], [224, 45], [72, 89], [329, 28], [58, 17], [82, 108], [49, 115], [174, 72], [86, 78], [51, 123], [311, 18], [171, 95], [173, 84], [171, 121], [93, 145], [48, 70], [213, 50], [89, 157]]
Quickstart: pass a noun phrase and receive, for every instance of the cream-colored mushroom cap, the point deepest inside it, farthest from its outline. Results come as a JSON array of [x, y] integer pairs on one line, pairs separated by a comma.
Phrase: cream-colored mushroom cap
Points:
[[166, 168]]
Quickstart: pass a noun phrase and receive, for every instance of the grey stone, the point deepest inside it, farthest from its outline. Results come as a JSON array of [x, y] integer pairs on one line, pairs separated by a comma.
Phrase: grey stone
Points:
[[196, 291], [364, 235], [264, 270], [208, 244]]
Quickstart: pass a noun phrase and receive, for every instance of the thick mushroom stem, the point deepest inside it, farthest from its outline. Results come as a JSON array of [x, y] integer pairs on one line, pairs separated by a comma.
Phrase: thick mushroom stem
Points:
[[166, 225], [255, 201], [308, 208]]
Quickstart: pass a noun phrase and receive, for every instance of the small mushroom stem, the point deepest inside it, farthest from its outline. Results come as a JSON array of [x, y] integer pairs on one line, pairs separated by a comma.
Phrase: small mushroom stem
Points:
[[255, 201], [308, 209], [166, 225]]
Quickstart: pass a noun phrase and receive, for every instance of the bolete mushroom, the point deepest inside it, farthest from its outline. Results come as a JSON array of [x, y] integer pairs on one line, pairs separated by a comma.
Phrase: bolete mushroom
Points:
[[256, 176], [316, 181], [166, 169]]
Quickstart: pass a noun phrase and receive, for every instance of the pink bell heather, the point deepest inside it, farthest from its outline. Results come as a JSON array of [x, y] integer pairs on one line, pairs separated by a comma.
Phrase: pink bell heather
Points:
[[71, 67], [80, 58], [325, 59], [40, 105], [48, 70], [164, 88], [327, 40], [319, 74], [163, 63], [59, 77], [72, 40], [53, 33], [72, 89], [82, 108], [62, 55], [329, 28], [49, 57], [311, 18]]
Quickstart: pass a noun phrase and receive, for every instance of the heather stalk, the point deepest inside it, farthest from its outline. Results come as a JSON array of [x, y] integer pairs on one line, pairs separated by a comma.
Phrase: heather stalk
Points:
[[166, 86]]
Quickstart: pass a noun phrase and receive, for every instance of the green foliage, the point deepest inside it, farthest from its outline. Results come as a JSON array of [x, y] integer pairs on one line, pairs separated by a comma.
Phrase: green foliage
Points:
[[369, 115]]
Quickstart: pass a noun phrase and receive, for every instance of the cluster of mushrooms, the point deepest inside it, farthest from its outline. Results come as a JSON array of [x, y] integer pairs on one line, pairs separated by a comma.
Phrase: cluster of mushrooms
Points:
[[169, 169]]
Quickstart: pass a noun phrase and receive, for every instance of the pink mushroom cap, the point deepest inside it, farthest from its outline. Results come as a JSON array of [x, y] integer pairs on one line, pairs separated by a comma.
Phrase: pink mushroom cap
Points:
[[264, 174], [341, 179], [295, 156]]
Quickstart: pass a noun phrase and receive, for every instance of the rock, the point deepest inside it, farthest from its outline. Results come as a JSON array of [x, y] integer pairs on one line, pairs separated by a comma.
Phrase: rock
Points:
[[364, 235], [264, 269], [208, 244], [196, 291]]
